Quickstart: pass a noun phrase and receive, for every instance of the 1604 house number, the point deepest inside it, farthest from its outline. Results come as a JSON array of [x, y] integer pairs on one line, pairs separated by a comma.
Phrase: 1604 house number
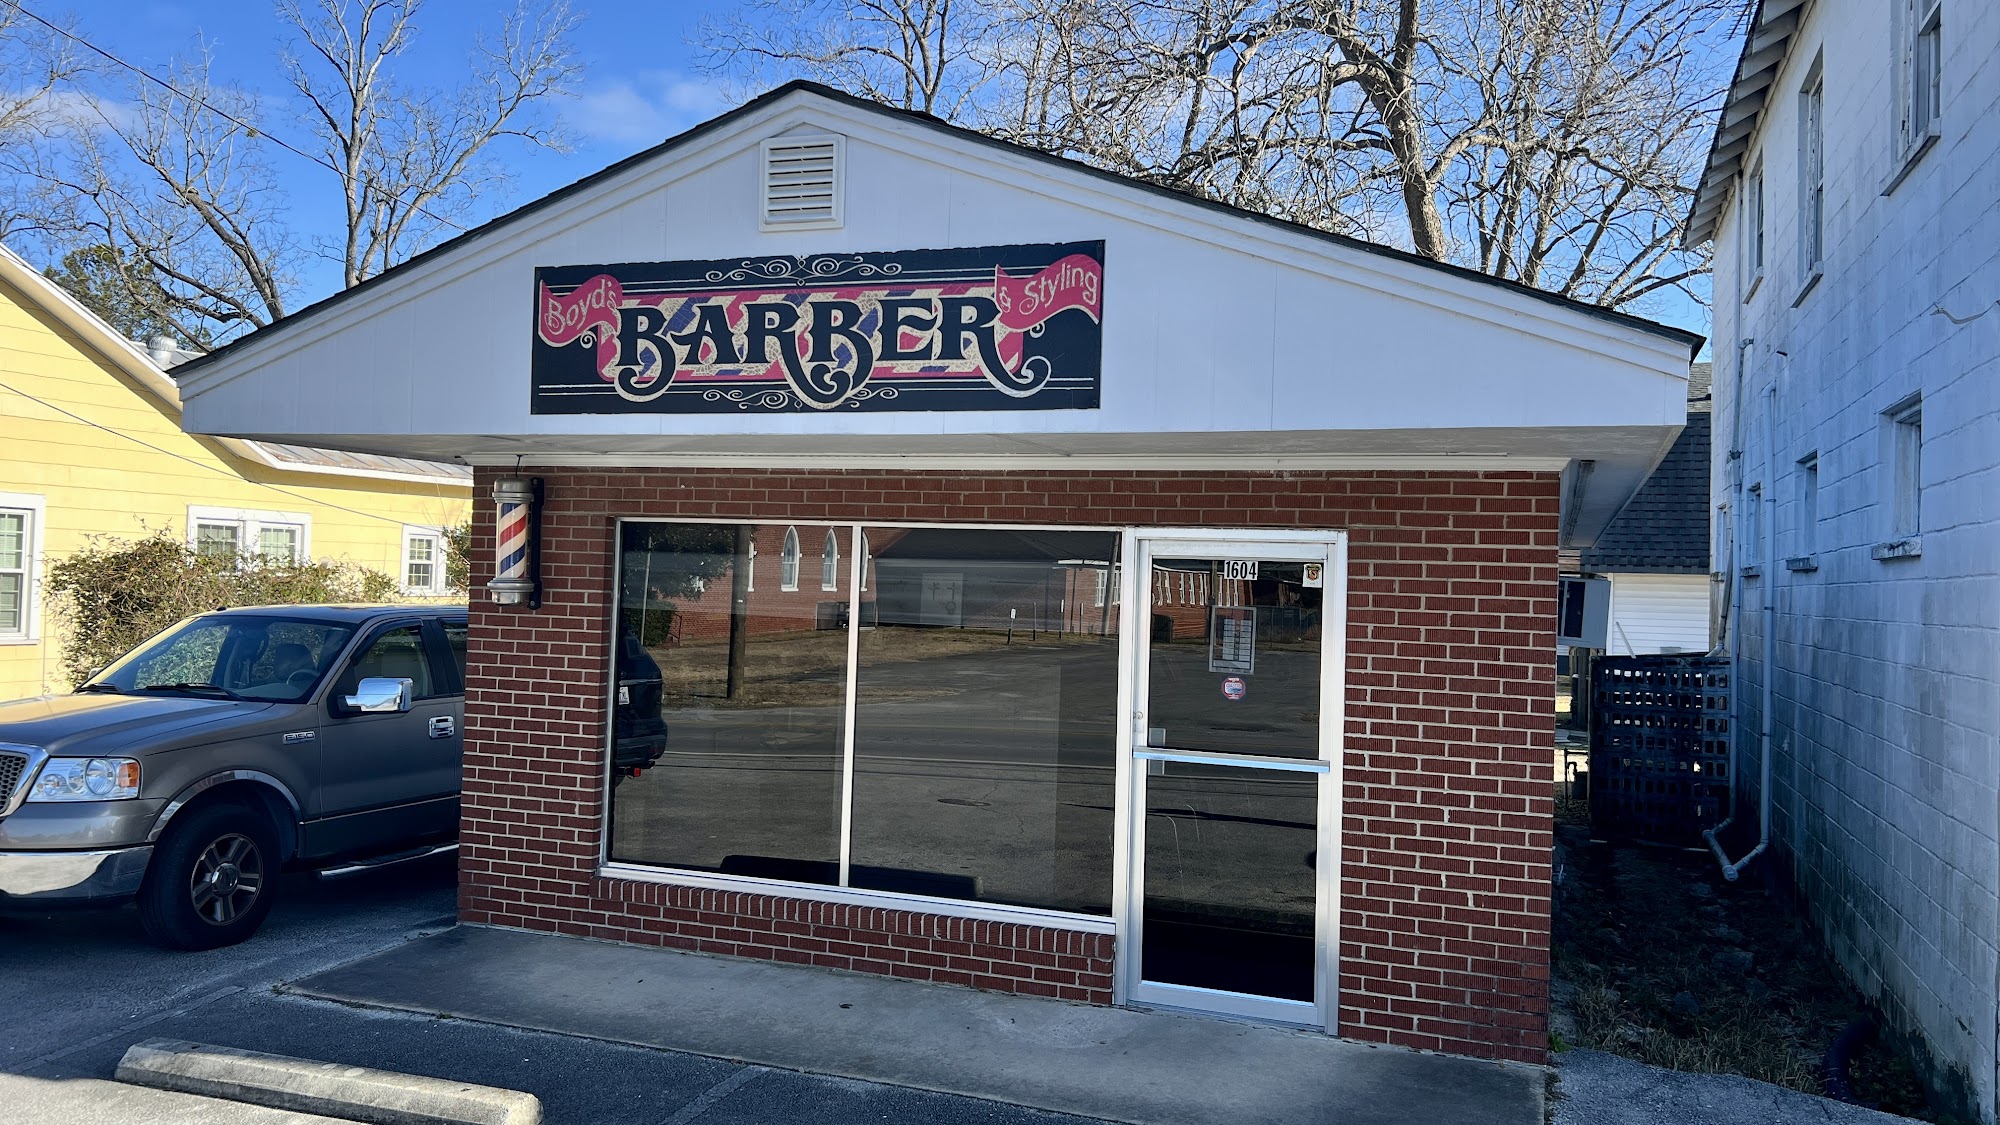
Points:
[[1008, 327]]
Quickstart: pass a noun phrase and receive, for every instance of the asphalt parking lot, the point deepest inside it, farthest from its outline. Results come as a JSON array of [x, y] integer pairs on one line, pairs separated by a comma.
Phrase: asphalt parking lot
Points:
[[76, 989]]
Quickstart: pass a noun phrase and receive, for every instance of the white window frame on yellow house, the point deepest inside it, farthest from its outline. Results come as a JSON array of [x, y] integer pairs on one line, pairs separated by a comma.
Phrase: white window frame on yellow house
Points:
[[33, 511], [435, 536], [250, 525]]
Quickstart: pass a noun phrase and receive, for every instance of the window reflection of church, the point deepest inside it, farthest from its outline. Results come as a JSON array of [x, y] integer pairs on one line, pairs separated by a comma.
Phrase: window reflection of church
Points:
[[798, 578]]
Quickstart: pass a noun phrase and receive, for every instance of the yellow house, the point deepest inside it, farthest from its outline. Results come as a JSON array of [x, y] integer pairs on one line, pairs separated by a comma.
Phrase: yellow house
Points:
[[91, 446]]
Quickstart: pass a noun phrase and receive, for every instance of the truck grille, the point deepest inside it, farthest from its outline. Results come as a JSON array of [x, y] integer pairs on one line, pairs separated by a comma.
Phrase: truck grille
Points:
[[12, 766]]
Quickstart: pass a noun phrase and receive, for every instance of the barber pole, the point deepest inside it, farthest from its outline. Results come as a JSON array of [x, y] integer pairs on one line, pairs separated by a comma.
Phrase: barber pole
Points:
[[514, 581]]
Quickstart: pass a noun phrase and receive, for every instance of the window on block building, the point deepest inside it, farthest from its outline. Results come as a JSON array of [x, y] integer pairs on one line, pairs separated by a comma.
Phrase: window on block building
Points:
[[829, 563], [788, 561], [1906, 476], [1753, 530], [1812, 173], [1807, 532], [1920, 47], [1753, 231]]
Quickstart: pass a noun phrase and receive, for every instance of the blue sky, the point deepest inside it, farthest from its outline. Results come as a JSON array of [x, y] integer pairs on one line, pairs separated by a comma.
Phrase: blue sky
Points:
[[640, 85]]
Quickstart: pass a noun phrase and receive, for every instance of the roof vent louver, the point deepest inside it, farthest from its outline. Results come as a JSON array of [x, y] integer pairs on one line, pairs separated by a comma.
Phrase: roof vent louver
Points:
[[801, 183]]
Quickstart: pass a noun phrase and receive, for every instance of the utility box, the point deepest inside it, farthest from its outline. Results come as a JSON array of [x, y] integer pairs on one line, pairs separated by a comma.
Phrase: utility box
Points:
[[1583, 613]]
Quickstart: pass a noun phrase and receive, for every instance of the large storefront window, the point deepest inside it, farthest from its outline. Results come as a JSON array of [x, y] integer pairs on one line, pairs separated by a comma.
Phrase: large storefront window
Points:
[[745, 777], [983, 672], [983, 730]]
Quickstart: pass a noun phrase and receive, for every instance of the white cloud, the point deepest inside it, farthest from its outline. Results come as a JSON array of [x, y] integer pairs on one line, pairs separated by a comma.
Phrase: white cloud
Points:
[[645, 109], [66, 110]]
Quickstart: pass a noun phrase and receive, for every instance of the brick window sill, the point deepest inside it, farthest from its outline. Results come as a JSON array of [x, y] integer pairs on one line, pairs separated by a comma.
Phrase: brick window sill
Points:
[[1752, 572], [1802, 564], [1909, 547]]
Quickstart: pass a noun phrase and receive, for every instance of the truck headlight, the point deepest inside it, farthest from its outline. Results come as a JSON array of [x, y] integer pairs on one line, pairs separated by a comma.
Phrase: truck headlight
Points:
[[86, 779]]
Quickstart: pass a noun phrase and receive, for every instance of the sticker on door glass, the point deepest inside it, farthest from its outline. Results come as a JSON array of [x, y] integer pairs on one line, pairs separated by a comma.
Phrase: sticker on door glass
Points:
[[1239, 570], [1232, 639], [1315, 576], [1234, 688]]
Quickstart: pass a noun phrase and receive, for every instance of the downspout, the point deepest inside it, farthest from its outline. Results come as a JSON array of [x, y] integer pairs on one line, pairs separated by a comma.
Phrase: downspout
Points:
[[1730, 871], [1732, 608]]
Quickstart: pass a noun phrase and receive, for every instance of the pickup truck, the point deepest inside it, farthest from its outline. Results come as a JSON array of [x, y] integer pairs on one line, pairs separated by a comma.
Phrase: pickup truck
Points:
[[239, 743]]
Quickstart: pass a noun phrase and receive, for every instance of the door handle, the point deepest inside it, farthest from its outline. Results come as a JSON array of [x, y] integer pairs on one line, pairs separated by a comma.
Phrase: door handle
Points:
[[441, 726]]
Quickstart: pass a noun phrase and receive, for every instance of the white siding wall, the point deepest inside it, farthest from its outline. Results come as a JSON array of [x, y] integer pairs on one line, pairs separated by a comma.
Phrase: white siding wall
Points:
[[1653, 613], [1886, 773]]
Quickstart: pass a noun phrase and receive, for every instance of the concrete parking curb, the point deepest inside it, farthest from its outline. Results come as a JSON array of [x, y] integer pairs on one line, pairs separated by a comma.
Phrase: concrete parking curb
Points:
[[330, 1089]]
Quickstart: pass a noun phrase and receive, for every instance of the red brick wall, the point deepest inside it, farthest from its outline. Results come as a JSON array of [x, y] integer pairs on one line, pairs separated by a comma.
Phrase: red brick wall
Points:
[[1445, 871], [1000, 956]]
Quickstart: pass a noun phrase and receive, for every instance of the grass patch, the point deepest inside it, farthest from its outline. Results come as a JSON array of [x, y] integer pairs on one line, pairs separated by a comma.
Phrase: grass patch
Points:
[[1656, 958]]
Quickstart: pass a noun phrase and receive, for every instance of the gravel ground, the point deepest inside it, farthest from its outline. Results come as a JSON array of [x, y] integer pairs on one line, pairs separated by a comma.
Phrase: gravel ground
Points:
[[1599, 1089]]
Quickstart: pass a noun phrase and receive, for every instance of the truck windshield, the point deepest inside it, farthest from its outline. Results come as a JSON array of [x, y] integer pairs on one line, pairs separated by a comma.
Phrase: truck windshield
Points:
[[269, 659]]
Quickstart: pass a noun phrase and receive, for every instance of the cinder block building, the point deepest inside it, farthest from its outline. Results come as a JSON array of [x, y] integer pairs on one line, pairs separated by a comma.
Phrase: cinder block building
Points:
[[1074, 588], [1853, 201]]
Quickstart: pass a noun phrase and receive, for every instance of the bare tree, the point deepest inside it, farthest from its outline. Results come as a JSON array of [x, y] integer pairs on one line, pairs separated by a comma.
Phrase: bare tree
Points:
[[36, 64], [908, 53], [411, 162], [175, 183], [1553, 142], [175, 177]]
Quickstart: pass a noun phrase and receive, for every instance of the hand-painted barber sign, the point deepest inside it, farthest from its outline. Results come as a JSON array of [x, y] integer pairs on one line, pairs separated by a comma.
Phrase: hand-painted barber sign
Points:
[[995, 328]]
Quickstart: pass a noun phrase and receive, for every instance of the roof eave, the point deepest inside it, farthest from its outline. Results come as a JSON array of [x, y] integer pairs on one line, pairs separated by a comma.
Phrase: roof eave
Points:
[[135, 365], [1766, 46], [1694, 341]]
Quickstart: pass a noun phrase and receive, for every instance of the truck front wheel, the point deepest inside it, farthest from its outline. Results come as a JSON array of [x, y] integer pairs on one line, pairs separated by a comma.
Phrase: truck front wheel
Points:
[[212, 878]]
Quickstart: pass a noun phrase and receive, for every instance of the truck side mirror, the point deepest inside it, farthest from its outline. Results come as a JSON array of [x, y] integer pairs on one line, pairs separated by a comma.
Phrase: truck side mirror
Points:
[[378, 694]]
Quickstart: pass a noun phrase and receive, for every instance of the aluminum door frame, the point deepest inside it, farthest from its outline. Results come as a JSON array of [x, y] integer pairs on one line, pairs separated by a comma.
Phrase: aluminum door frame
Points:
[[1140, 547]]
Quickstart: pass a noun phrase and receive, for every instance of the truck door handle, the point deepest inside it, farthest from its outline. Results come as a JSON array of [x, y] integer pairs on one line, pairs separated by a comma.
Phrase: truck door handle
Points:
[[441, 726]]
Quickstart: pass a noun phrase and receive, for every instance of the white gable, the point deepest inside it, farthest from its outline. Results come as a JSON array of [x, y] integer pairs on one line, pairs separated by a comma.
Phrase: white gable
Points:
[[1226, 340]]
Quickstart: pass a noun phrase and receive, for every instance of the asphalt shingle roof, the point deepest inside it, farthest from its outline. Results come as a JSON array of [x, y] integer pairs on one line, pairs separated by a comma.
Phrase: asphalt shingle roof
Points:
[[1664, 529]]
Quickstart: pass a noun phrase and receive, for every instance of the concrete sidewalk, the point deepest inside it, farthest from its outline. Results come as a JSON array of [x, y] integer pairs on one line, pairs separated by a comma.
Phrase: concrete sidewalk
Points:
[[1150, 1068]]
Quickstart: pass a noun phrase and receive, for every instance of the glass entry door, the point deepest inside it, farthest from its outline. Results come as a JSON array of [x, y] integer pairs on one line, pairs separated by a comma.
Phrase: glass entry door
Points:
[[1233, 861]]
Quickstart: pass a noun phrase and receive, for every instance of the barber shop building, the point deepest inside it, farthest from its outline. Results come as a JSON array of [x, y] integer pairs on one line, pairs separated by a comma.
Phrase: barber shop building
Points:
[[902, 552]]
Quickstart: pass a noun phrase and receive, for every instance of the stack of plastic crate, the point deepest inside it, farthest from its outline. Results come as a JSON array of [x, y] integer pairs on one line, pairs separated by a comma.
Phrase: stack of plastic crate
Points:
[[1659, 747]]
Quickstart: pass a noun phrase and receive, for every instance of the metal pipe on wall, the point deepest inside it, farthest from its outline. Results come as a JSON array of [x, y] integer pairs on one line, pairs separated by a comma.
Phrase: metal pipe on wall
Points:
[[1769, 612], [1732, 605]]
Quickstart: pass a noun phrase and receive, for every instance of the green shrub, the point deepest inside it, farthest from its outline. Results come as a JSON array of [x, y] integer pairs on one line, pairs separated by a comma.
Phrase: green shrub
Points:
[[658, 622], [116, 593], [458, 557]]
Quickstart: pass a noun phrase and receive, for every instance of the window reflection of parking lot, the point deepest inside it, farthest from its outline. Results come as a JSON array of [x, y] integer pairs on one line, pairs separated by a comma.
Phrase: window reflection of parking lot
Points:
[[984, 700], [978, 759]]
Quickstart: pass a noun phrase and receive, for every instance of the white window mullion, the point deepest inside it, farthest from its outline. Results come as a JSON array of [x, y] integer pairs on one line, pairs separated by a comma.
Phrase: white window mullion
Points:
[[237, 533], [856, 559], [20, 549]]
